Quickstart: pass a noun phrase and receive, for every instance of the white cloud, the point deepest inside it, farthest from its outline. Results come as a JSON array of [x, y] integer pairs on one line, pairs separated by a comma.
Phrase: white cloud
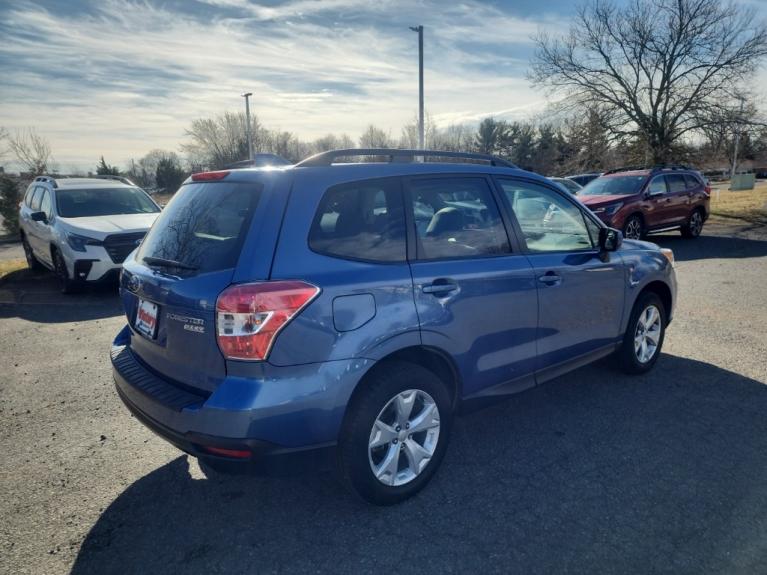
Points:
[[129, 76]]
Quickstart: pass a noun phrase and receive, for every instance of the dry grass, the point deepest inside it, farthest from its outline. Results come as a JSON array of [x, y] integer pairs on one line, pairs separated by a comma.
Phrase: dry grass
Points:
[[748, 205], [8, 266]]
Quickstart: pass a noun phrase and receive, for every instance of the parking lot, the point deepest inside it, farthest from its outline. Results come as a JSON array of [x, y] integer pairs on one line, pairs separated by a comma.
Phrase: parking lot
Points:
[[595, 471]]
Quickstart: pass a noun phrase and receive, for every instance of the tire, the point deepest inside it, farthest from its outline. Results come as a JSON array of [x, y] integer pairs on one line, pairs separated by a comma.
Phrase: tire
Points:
[[633, 229], [415, 390], [694, 225], [67, 284], [32, 262], [630, 359]]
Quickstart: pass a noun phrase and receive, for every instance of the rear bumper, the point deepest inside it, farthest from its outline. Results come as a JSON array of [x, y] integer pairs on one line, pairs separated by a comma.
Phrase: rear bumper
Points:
[[282, 411]]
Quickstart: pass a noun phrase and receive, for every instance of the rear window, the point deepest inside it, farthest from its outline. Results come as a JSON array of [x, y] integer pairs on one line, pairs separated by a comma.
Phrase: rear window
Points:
[[363, 220], [103, 202], [202, 228]]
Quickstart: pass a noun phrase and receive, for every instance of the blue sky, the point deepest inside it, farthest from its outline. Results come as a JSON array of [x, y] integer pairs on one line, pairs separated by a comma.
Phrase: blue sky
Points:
[[120, 77]]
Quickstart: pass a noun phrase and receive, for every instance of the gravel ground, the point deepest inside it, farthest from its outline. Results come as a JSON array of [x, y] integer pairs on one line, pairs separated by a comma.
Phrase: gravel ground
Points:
[[593, 472]]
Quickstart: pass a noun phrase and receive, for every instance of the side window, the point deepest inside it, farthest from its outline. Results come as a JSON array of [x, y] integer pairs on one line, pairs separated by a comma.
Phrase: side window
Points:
[[549, 222], [45, 203], [28, 196], [456, 217], [593, 228], [691, 181], [657, 186], [36, 198], [362, 220], [676, 183]]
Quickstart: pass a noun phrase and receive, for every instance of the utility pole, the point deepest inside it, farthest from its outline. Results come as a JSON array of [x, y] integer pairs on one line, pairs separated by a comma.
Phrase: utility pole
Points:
[[419, 29], [737, 142], [247, 124]]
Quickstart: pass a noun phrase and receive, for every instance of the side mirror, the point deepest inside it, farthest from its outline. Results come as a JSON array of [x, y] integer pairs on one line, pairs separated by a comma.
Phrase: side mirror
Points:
[[39, 217], [610, 239]]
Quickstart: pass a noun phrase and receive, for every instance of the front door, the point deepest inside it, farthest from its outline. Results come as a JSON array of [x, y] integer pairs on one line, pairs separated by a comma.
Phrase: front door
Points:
[[475, 292], [580, 292], [40, 232]]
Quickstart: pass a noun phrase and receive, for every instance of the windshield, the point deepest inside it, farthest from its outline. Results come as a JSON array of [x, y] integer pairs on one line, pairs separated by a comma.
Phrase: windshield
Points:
[[103, 202], [202, 228], [613, 186]]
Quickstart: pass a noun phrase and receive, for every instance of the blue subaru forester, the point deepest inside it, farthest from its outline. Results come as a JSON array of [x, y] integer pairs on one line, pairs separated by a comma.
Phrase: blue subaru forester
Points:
[[357, 306]]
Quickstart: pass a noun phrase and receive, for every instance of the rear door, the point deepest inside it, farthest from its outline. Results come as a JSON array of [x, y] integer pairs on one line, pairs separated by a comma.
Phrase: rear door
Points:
[[206, 229], [580, 294], [475, 294]]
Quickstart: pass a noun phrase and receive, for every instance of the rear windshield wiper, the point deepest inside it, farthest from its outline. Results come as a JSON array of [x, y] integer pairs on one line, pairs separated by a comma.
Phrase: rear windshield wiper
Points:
[[163, 263]]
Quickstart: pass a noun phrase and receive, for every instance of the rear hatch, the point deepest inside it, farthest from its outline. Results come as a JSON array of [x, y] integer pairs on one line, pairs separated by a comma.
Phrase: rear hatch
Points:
[[170, 284]]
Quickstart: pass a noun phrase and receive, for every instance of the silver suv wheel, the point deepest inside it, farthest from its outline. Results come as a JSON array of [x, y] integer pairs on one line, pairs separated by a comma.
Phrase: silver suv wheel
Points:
[[647, 334], [404, 437]]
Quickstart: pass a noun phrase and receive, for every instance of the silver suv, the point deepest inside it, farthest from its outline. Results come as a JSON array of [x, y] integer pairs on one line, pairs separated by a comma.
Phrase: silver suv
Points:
[[83, 228]]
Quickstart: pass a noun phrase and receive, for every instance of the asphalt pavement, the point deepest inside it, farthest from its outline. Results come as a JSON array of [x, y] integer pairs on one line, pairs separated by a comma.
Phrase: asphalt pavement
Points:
[[595, 472]]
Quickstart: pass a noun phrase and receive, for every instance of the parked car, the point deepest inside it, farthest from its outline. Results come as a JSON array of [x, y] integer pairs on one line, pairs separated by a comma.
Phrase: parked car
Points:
[[643, 201], [356, 307], [83, 228], [583, 179], [570, 185]]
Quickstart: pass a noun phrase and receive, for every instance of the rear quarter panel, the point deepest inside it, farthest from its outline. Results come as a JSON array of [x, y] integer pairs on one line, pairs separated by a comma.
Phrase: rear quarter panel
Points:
[[364, 309]]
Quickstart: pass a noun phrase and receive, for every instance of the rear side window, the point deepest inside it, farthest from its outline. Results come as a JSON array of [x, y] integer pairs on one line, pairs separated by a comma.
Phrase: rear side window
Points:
[[37, 197], [456, 218], [676, 183], [28, 196], [691, 181], [203, 227], [362, 220]]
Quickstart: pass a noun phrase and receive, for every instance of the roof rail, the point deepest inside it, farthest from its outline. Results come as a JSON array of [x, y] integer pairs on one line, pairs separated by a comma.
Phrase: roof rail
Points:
[[122, 179], [397, 156], [655, 168], [50, 179]]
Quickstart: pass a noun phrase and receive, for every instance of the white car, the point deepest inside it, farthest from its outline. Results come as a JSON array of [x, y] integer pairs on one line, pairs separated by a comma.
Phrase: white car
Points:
[[83, 228]]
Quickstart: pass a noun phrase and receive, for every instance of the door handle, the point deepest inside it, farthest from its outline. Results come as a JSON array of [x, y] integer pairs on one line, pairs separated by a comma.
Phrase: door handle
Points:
[[550, 279], [439, 288]]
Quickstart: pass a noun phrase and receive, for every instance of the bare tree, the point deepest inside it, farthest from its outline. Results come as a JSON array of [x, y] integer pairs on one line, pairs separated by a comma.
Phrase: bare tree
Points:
[[374, 137], [659, 68], [31, 150]]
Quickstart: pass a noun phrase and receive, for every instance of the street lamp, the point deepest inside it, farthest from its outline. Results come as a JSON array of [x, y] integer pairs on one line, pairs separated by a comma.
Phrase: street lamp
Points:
[[247, 124], [419, 29]]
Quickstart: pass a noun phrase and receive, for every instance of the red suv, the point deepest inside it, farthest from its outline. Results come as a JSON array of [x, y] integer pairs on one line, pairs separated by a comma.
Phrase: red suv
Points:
[[642, 201]]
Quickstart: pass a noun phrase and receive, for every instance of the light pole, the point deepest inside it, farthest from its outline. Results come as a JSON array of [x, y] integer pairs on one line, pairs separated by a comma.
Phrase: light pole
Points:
[[247, 124], [419, 29]]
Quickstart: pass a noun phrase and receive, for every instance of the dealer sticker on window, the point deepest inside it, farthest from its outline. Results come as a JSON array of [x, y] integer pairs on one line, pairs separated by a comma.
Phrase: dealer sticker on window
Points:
[[146, 318]]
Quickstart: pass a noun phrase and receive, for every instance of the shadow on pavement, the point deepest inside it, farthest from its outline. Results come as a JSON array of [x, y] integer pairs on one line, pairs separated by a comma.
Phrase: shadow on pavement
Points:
[[35, 296], [711, 246], [593, 472]]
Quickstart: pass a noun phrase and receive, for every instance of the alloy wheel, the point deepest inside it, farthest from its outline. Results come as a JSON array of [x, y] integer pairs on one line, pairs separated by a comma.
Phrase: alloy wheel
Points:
[[404, 437], [647, 334], [696, 224], [633, 229]]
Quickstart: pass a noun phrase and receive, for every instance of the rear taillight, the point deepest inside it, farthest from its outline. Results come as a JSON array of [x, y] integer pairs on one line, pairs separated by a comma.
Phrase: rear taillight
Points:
[[210, 176], [225, 452], [708, 189], [249, 316]]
